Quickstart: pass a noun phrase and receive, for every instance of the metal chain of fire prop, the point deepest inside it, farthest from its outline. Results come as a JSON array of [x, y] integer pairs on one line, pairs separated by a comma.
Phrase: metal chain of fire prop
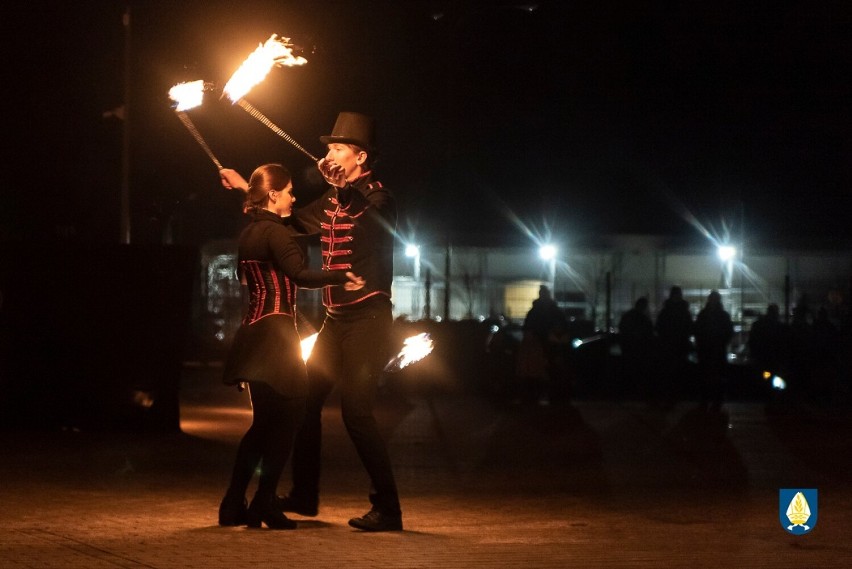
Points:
[[187, 96], [275, 51], [250, 109]]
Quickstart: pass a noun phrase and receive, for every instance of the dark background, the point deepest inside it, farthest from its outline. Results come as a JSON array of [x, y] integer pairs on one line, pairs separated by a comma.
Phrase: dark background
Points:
[[582, 117]]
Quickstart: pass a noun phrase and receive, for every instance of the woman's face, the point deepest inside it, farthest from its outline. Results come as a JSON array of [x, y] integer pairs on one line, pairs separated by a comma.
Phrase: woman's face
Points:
[[284, 199]]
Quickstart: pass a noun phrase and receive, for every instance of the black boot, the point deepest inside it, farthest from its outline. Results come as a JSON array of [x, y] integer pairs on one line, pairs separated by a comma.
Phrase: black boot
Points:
[[290, 504], [262, 510], [232, 511]]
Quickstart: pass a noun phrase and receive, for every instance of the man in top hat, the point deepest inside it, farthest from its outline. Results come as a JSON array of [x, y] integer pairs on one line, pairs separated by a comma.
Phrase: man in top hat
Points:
[[356, 218]]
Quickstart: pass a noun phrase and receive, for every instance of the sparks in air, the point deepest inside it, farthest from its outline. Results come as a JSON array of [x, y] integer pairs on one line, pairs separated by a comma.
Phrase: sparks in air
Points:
[[187, 95], [275, 51], [414, 349]]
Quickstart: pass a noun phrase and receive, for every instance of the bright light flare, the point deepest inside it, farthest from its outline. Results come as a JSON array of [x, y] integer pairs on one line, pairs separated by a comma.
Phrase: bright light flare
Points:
[[547, 252], [414, 349], [187, 95], [727, 252], [275, 51], [412, 250], [308, 346]]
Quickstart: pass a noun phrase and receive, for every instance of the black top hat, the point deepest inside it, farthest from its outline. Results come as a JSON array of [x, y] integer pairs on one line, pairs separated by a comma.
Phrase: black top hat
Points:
[[352, 128]]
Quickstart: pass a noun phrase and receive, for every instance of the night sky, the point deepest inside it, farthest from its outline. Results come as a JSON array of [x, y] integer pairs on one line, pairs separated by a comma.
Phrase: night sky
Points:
[[586, 118]]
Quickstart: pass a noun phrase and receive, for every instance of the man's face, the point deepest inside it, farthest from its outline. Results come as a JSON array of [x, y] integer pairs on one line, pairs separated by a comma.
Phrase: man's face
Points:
[[349, 157]]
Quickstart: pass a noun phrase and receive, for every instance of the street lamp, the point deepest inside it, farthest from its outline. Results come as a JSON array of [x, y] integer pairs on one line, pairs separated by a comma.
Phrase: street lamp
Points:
[[726, 252], [548, 252], [412, 251]]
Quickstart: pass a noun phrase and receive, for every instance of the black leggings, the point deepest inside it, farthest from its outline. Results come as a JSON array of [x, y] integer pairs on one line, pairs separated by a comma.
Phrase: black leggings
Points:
[[268, 441]]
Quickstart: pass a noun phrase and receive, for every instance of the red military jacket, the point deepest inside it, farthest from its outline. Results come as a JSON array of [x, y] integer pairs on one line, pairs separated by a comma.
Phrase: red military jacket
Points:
[[356, 224]]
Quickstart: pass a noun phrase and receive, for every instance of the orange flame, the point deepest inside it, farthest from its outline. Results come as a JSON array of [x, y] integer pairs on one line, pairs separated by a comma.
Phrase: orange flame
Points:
[[308, 346], [414, 349], [187, 95], [275, 51]]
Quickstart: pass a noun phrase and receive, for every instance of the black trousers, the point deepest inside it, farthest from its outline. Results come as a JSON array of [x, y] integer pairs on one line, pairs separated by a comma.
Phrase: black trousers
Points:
[[267, 442], [350, 353]]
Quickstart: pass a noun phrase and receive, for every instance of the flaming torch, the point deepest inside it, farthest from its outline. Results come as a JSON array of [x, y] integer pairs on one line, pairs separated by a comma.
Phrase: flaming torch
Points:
[[307, 344], [275, 51], [188, 96], [307, 333], [414, 349]]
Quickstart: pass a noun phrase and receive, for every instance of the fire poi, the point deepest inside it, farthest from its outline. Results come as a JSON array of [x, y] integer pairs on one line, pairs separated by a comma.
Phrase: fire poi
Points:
[[414, 349], [275, 51], [307, 344], [188, 96]]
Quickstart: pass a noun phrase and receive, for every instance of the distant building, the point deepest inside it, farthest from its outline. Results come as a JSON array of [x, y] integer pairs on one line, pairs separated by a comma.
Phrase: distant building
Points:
[[591, 281]]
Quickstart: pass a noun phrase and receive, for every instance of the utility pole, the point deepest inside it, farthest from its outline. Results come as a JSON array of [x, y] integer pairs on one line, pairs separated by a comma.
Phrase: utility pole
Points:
[[124, 219], [448, 280]]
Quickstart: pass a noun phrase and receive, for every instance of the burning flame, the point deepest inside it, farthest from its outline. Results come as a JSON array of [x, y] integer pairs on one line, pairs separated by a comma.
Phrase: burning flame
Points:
[[414, 349], [187, 95], [308, 345], [275, 51]]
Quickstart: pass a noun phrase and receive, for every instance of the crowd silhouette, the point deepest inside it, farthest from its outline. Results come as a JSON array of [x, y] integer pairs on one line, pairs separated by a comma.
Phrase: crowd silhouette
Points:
[[683, 352], [538, 354], [807, 358]]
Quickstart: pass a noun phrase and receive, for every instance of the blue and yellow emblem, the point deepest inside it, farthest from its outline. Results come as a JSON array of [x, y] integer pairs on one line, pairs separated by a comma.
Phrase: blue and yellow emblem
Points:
[[798, 509]]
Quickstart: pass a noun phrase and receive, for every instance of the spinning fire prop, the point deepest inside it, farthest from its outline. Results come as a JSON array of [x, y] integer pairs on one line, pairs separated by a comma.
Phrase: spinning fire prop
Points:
[[188, 96], [275, 51], [414, 349]]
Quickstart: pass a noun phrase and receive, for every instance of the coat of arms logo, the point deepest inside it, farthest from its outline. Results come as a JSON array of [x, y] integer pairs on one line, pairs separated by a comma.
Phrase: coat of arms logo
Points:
[[798, 509]]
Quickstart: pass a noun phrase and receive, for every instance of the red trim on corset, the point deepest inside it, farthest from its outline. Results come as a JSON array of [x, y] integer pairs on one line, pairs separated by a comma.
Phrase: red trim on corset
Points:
[[290, 314], [276, 306], [260, 287], [291, 293]]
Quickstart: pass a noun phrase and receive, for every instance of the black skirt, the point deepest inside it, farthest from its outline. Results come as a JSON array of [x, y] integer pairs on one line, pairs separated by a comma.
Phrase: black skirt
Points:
[[268, 350]]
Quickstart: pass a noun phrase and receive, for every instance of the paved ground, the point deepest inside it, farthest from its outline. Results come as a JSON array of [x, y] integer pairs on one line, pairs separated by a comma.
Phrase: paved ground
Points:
[[483, 484]]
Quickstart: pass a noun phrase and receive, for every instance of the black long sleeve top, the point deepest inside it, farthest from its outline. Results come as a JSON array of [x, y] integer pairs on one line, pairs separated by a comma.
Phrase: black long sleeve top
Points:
[[271, 263]]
